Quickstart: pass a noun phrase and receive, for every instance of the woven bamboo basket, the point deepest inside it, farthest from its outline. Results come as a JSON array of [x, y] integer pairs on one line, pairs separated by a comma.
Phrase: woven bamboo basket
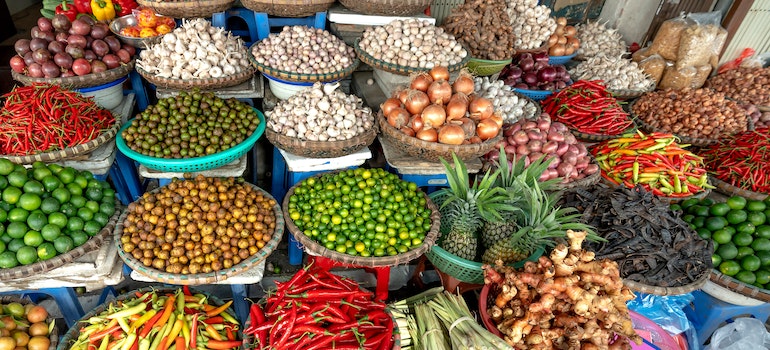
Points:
[[73, 333], [739, 287], [203, 278], [433, 151], [288, 8], [79, 82], [658, 290], [387, 7], [730, 190], [598, 138], [314, 248], [187, 8], [107, 135], [203, 84], [365, 57], [53, 336], [299, 77], [321, 149], [40, 267]]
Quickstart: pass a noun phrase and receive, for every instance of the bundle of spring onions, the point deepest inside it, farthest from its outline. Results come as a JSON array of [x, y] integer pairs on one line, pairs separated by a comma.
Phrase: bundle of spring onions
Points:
[[439, 320]]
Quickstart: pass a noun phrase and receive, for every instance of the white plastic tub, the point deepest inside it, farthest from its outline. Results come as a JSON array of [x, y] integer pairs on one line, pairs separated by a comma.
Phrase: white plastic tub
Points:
[[283, 89], [108, 96]]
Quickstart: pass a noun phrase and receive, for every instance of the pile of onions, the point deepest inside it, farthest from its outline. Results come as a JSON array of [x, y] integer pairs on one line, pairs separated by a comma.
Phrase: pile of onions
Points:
[[412, 43], [510, 105], [534, 139], [563, 41], [435, 110], [532, 72]]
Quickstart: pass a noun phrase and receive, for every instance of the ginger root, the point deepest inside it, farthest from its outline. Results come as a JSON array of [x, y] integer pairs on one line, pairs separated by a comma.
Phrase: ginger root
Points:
[[566, 300]]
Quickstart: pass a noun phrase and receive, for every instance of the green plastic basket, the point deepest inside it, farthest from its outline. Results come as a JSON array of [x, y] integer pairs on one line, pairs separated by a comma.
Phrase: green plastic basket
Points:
[[483, 68], [196, 164]]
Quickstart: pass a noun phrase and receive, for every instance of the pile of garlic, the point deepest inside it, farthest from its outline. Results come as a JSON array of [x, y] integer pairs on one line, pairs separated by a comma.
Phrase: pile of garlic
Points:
[[596, 38], [618, 73], [508, 103], [532, 23], [195, 50], [412, 43]]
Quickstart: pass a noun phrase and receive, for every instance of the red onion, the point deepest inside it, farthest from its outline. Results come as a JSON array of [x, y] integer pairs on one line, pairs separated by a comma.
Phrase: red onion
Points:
[[547, 74], [540, 65], [560, 71], [515, 72], [530, 78], [526, 64], [521, 86], [541, 57]]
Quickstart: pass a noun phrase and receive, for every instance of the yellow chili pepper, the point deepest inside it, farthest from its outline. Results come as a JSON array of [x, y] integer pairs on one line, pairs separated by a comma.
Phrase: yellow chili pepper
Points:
[[103, 10]]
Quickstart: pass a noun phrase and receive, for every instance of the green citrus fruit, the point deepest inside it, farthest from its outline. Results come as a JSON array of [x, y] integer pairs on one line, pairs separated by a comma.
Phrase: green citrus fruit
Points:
[[33, 238], [6, 166], [764, 257], [49, 205], [715, 223], [58, 219], [17, 178], [91, 228], [75, 224], [719, 209], [51, 183], [37, 220], [29, 201], [50, 232], [727, 251], [716, 259], [751, 263], [745, 276], [761, 244], [67, 175], [763, 276], [40, 173], [743, 239], [78, 201], [753, 205], [74, 189], [729, 267], [744, 252], [736, 202], [62, 195], [26, 255], [15, 244], [735, 217], [63, 244], [46, 251], [11, 194], [8, 258], [78, 238], [722, 236]]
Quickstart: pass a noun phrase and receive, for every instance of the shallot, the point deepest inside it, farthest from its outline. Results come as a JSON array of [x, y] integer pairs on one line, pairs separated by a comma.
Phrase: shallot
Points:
[[304, 50]]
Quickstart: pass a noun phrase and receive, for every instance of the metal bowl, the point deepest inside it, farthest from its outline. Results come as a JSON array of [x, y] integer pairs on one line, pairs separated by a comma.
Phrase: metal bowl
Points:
[[127, 21]]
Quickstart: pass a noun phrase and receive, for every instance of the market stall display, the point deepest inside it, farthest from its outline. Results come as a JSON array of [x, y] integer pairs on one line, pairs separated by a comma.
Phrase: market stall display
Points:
[[142, 29], [532, 139], [699, 117], [656, 251], [511, 105], [290, 8], [46, 123], [321, 122], [568, 299], [748, 85], [622, 76], [200, 230], [75, 54], [402, 8], [158, 318], [590, 110], [739, 164], [316, 309], [532, 75], [532, 24], [595, 39], [196, 54], [657, 162], [563, 43], [187, 8], [26, 325]]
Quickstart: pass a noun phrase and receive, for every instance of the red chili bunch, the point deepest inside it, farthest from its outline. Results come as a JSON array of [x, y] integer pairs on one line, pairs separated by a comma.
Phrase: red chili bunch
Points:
[[319, 310], [43, 118], [741, 160], [587, 106]]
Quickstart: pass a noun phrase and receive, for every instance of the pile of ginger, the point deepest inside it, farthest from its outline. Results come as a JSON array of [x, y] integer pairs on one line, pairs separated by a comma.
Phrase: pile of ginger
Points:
[[567, 301]]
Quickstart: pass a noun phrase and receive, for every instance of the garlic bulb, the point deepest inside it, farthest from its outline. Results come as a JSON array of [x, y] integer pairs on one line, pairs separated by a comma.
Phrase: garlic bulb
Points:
[[596, 38], [618, 73], [510, 105], [412, 43], [304, 50], [532, 23]]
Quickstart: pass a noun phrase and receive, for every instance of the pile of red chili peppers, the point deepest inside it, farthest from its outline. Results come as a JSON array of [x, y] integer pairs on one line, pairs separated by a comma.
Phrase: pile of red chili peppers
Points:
[[587, 106], [42, 118], [653, 160], [741, 160], [319, 310]]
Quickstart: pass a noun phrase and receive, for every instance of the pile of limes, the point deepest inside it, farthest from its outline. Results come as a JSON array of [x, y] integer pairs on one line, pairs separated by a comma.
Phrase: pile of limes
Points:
[[48, 210], [740, 230], [365, 212]]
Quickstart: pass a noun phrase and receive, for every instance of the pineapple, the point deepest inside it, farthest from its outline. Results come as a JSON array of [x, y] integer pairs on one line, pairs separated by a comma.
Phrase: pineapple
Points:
[[466, 206]]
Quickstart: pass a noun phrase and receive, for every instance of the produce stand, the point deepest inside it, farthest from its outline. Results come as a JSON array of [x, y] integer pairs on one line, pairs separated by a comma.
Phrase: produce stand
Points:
[[235, 168], [253, 88]]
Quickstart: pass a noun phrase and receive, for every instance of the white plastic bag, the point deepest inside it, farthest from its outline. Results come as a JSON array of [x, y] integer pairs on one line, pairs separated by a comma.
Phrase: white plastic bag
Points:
[[744, 333]]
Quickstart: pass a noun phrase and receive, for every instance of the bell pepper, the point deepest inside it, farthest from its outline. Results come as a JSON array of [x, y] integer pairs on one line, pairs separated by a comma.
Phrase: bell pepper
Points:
[[83, 6], [68, 10], [124, 7], [103, 10]]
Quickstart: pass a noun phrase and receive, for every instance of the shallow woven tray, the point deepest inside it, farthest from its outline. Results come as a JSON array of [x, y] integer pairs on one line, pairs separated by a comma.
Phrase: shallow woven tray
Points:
[[40, 267], [657, 290], [74, 331], [203, 278], [107, 135], [53, 336], [288, 8], [299, 77], [400, 259], [321, 149], [739, 287], [365, 57], [187, 8], [203, 84], [82, 81], [387, 7], [595, 138], [625, 94], [730, 190], [433, 151]]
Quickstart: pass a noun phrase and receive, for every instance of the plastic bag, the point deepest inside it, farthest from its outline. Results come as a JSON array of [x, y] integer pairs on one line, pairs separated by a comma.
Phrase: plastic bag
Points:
[[677, 79], [696, 45], [666, 311], [666, 42], [654, 67], [744, 333], [701, 75], [641, 54], [746, 53]]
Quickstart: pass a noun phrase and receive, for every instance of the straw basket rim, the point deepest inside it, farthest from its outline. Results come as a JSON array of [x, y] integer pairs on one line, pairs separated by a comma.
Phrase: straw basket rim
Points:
[[288, 8], [387, 7], [81, 81], [739, 287], [726, 188], [105, 136], [301, 77], [365, 57], [203, 84], [187, 8], [322, 149]]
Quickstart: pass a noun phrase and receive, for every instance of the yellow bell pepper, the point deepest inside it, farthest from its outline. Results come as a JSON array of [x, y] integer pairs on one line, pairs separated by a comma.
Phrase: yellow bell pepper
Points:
[[103, 10]]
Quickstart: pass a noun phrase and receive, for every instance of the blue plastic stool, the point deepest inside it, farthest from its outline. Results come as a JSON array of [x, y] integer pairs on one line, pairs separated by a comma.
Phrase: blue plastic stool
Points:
[[65, 298], [709, 313], [264, 23], [227, 18]]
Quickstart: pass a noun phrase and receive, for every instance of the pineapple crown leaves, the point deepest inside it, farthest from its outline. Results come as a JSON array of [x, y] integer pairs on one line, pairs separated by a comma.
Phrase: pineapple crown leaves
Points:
[[516, 169]]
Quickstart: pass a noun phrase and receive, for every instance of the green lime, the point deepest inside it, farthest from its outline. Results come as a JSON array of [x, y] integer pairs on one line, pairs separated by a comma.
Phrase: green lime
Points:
[[716, 259], [735, 217], [67, 175], [26, 255], [46, 251], [762, 231], [109, 209], [763, 276], [701, 210], [29, 201], [33, 238], [756, 217], [753, 205], [745, 227], [3, 215], [33, 186], [729, 267], [736, 202], [37, 220], [751, 263], [11, 194], [719, 209], [761, 244], [6, 166], [722, 236], [688, 218], [91, 228], [62, 195], [3, 182], [49, 205], [78, 201], [101, 218], [699, 221], [108, 194], [745, 276], [75, 223], [744, 251], [92, 206], [16, 229], [38, 164], [41, 173], [743, 239], [50, 232], [715, 223], [17, 178], [78, 238], [764, 257], [94, 194], [689, 203], [675, 207], [707, 202], [85, 214], [18, 215], [15, 244], [63, 244], [55, 168], [51, 183], [58, 219], [727, 251], [74, 189], [81, 180], [5, 238], [68, 209], [8, 258], [702, 232]]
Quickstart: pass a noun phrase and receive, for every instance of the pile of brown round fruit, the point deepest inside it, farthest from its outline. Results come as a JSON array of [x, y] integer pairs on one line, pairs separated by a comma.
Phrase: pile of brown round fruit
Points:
[[24, 327], [198, 225], [188, 125]]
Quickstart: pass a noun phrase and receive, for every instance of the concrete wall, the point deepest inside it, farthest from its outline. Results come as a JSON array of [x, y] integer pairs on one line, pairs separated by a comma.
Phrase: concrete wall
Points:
[[630, 17], [15, 6]]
